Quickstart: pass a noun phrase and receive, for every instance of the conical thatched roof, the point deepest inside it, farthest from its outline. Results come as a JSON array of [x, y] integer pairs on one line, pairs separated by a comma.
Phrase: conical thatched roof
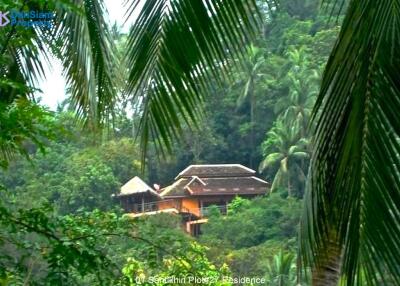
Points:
[[136, 186]]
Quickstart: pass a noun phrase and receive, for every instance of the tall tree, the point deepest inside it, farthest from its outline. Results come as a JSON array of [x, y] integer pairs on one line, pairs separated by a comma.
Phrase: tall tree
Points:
[[303, 86], [249, 78], [284, 151]]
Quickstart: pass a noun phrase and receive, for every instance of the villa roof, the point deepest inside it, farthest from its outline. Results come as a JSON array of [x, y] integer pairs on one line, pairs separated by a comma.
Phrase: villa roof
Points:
[[136, 186], [216, 170], [228, 179]]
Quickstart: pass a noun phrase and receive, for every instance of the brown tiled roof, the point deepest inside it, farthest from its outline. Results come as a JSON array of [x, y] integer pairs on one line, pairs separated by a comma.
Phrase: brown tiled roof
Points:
[[217, 186], [235, 186], [216, 170]]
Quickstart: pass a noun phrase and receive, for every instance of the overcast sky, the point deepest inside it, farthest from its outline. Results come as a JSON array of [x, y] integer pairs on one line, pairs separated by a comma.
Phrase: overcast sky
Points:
[[53, 87]]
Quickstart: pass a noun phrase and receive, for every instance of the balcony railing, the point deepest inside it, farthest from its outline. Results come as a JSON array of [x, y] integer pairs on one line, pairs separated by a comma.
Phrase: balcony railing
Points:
[[173, 204], [155, 206], [206, 211]]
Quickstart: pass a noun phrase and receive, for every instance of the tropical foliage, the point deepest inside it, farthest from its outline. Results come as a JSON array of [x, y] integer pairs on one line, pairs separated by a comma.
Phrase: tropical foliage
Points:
[[260, 240], [206, 73], [191, 267], [281, 269], [81, 40]]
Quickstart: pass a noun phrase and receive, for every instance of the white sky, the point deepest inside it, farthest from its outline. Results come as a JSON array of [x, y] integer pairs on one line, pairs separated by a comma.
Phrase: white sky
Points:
[[53, 86]]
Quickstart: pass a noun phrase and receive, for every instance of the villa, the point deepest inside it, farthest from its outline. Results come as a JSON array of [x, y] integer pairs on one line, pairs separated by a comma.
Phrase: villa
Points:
[[193, 192]]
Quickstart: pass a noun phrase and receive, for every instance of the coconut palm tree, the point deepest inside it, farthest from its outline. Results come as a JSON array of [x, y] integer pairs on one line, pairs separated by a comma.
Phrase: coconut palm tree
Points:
[[249, 77], [351, 227], [300, 100], [284, 151], [303, 83]]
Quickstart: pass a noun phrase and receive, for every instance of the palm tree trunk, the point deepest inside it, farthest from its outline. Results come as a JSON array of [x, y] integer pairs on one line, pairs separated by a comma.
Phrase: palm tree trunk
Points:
[[252, 106], [327, 272]]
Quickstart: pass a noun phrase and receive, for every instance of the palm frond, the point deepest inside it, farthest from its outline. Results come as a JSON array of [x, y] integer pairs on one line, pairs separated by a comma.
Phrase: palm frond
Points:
[[271, 160], [354, 185], [300, 155], [23, 55], [87, 55], [176, 50]]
